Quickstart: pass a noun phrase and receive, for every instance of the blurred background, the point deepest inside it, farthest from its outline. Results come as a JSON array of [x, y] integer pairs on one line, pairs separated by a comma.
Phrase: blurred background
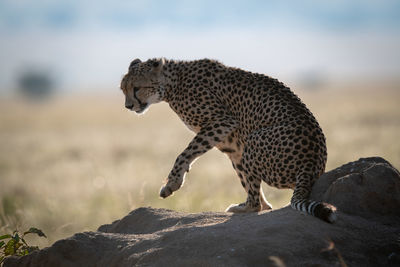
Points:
[[73, 158]]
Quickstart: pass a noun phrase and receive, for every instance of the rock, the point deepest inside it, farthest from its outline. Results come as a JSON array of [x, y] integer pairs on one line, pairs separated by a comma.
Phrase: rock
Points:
[[367, 232], [368, 187]]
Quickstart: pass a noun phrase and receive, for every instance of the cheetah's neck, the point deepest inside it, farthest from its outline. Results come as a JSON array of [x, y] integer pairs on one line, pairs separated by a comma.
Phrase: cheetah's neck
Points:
[[170, 78]]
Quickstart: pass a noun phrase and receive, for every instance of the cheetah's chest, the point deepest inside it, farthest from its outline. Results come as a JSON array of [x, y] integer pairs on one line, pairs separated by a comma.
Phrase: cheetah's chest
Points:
[[194, 129], [192, 121]]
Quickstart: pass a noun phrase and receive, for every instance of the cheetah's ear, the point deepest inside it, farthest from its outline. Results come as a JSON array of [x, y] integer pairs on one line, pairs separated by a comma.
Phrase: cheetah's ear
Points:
[[134, 63], [157, 64]]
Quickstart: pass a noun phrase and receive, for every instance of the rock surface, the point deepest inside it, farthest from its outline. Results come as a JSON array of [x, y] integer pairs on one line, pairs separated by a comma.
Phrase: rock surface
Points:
[[367, 232]]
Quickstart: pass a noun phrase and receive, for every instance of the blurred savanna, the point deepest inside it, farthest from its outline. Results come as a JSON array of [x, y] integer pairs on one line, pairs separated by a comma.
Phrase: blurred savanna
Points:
[[74, 163], [73, 158]]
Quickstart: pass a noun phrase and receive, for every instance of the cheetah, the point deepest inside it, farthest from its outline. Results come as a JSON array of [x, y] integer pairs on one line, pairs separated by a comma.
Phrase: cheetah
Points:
[[259, 123]]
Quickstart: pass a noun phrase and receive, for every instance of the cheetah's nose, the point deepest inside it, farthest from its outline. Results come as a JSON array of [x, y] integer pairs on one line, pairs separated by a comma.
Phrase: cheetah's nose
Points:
[[129, 106]]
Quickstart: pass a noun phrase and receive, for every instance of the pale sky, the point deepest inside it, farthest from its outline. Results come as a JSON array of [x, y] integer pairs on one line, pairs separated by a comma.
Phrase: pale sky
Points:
[[89, 44]]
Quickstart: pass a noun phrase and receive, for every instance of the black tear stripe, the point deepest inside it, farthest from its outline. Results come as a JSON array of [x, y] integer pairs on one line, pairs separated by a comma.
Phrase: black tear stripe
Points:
[[135, 89]]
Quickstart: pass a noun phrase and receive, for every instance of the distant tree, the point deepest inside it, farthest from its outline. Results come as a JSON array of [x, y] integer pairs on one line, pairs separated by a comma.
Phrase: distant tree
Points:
[[313, 80], [35, 84]]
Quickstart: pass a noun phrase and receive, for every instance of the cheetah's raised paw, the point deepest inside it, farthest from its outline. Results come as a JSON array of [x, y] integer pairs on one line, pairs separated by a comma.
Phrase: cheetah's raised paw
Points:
[[165, 191]]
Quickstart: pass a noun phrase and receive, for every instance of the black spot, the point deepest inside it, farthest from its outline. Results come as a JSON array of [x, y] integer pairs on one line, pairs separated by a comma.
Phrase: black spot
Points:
[[239, 167], [205, 143]]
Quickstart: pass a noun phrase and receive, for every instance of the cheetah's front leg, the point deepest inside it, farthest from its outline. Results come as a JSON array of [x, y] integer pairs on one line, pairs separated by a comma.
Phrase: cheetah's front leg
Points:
[[205, 139], [255, 199]]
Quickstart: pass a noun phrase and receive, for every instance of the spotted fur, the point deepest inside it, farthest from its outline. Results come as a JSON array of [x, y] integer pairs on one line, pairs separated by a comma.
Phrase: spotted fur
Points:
[[258, 122]]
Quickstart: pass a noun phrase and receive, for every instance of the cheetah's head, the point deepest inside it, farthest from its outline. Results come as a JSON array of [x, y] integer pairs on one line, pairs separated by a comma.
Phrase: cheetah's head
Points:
[[141, 85]]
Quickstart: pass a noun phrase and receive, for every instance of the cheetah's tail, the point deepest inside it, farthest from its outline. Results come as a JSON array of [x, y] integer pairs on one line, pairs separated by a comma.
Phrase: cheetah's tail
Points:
[[321, 210]]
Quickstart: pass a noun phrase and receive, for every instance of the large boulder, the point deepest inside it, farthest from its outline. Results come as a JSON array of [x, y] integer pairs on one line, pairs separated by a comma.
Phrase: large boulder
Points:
[[368, 187], [367, 232]]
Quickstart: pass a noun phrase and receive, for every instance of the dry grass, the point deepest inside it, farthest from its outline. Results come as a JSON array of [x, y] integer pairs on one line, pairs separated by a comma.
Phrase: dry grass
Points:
[[75, 163]]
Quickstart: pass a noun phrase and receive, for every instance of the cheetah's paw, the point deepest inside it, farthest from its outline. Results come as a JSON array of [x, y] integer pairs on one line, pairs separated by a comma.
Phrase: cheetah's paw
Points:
[[241, 208], [165, 191], [265, 206]]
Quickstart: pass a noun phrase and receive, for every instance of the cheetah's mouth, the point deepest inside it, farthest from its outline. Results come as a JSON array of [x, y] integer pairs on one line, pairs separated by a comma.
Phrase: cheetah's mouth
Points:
[[142, 105], [142, 108]]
